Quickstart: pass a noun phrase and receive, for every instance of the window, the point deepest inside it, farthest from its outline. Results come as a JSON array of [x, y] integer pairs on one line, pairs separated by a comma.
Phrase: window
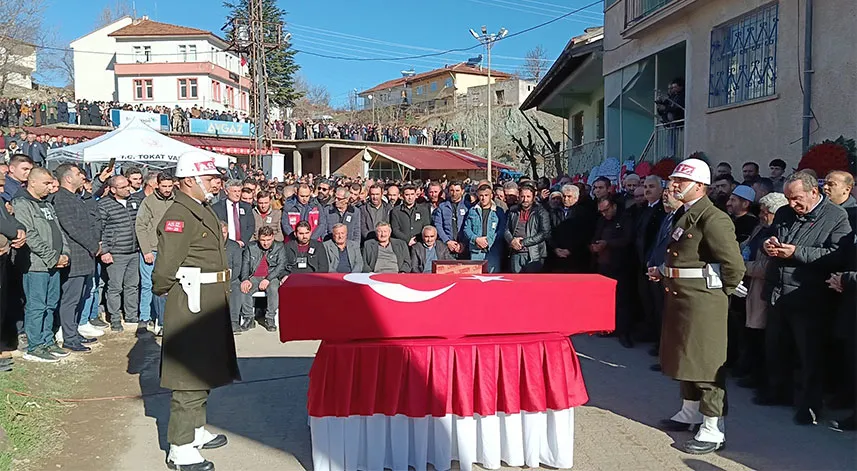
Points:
[[433, 86], [215, 91], [244, 101], [501, 96], [147, 54], [138, 54], [142, 53], [448, 83], [743, 60], [191, 52], [143, 90], [188, 89], [419, 90], [577, 129], [182, 53], [229, 99]]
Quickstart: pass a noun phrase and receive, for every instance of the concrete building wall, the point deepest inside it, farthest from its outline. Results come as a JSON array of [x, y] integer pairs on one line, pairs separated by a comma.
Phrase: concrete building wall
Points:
[[767, 128], [513, 92], [93, 63]]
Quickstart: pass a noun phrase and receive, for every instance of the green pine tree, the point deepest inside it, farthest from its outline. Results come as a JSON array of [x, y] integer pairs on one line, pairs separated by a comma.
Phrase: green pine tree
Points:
[[281, 67]]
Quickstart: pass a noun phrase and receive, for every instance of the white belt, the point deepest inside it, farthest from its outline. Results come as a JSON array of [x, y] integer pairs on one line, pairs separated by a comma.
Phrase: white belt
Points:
[[670, 272], [191, 277], [215, 277]]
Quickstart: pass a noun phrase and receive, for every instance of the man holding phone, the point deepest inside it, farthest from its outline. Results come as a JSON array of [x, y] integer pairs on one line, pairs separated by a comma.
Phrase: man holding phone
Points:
[[804, 252]]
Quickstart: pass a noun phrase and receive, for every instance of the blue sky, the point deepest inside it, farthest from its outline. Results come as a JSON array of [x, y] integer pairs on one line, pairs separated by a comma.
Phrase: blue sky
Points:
[[368, 28]]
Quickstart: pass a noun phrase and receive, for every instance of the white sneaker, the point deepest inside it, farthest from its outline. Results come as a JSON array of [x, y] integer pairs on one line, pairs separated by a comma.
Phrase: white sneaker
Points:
[[89, 330], [58, 337]]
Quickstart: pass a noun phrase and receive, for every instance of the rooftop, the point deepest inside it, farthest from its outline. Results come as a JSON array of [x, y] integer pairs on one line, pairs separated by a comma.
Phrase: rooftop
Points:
[[146, 27], [460, 68]]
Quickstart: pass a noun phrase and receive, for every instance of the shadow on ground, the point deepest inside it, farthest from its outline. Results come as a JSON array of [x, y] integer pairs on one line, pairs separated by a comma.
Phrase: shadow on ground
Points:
[[619, 381], [250, 408]]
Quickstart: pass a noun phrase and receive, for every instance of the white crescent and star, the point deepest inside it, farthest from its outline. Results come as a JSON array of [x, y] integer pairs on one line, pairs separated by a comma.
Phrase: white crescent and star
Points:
[[401, 293]]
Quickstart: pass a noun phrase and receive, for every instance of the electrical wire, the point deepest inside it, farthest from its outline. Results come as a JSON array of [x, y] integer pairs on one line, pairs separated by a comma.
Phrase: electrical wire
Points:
[[532, 9], [460, 49]]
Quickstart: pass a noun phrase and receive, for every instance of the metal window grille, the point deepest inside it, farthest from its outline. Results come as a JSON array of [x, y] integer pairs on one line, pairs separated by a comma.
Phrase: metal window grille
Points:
[[743, 61]]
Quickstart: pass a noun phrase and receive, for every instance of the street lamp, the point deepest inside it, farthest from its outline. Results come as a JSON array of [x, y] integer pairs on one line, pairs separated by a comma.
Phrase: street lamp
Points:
[[372, 100], [488, 40]]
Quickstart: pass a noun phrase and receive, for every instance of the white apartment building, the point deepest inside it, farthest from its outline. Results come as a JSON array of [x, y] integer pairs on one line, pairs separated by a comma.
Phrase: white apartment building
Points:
[[17, 64], [159, 64]]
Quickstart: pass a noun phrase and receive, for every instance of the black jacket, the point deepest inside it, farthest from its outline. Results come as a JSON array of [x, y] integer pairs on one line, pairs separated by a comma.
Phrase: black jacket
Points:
[[400, 248], [407, 223], [316, 258], [234, 259], [351, 218], [646, 230], [367, 224], [252, 257], [81, 231], [617, 232], [245, 221], [118, 235], [799, 281], [9, 226], [536, 233]]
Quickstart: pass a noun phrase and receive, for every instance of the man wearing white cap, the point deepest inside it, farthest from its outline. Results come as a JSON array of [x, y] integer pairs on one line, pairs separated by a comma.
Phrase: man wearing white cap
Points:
[[198, 350], [702, 267], [738, 206]]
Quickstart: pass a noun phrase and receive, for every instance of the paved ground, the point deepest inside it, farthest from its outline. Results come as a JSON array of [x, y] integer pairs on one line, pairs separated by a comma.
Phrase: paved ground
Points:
[[266, 421]]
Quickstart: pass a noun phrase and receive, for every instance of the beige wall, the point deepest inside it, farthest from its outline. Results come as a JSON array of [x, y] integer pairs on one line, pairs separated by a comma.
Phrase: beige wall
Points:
[[771, 128]]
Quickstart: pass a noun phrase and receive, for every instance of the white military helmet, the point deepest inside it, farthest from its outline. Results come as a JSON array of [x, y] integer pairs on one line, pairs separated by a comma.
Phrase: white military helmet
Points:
[[194, 164], [694, 170]]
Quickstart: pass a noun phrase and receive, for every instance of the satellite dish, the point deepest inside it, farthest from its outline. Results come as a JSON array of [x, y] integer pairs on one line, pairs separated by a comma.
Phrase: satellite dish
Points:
[[408, 73], [473, 61]]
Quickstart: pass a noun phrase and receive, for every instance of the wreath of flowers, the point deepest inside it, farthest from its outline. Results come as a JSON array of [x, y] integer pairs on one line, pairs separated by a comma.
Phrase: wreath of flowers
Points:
[[827, 156], [664, 168]]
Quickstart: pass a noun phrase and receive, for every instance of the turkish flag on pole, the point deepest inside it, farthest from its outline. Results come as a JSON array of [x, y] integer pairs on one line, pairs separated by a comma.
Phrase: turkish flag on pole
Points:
[[337, 307], [243, 61]]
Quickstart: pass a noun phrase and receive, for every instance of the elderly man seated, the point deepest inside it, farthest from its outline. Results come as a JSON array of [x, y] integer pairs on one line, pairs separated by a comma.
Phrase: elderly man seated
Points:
[[343, 255], [425, 252], [386, 255]]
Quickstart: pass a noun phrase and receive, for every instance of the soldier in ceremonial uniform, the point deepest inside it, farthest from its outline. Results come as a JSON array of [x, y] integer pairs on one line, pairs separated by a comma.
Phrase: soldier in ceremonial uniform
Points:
[[703, 266], [198, 351]]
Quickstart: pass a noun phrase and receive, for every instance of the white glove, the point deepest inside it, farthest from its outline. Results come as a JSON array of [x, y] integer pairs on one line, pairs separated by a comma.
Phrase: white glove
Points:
[[741, 290]]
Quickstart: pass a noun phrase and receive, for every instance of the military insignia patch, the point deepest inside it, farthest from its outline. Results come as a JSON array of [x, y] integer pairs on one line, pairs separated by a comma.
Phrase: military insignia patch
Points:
[[174, 226]]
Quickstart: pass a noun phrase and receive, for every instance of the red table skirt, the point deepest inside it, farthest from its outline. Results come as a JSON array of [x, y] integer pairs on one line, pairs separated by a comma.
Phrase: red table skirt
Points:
[[480, 375]]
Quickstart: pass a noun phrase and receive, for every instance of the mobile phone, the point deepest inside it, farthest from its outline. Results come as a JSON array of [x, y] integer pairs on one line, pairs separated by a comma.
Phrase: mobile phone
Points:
[[112, 164]]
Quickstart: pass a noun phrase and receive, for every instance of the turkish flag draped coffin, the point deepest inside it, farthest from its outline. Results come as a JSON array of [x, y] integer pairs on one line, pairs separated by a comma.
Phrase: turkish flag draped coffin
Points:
[[355, 306], [417, 369]]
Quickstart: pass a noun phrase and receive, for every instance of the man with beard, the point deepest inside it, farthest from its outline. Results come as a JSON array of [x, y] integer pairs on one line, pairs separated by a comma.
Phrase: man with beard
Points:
[[198, 349], [527, 230], [449, 220], [720, 191], [149, 215], [374, 211]]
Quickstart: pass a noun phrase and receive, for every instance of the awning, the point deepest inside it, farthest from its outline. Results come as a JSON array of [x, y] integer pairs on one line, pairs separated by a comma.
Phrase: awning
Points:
[[422, 158]]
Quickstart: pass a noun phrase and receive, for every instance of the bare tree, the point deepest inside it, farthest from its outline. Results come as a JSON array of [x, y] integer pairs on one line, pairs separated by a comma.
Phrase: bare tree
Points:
[[535, 64], [314, 101], [110, 14], [21, 34]]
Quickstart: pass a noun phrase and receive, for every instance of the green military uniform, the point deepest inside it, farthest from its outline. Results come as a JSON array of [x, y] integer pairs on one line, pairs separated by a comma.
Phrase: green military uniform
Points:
[[693, 337], [198, 351]]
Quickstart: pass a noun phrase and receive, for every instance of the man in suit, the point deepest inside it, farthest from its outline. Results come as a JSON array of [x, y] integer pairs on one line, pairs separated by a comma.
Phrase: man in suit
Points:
[[237, 214], [427, 251], [647, 225], [384, 254], [343, 255]]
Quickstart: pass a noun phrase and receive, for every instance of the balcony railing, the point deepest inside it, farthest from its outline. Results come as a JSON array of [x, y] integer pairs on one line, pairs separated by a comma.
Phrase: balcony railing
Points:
[[585, 156], [667, 141], [637, 10]]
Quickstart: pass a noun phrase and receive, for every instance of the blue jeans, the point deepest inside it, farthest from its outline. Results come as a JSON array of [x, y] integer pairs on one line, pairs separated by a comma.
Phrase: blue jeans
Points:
[[42, 294], [150, 304], [72, 117], [91, 298]]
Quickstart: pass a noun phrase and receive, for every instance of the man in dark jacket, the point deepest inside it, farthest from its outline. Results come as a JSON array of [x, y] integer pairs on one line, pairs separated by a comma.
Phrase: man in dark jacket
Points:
[[427, 251], [16, 236], [234, 261], [35, 150], [303, 208], [449, 219], [646, 231], [342, 212], [384, 254], [20, 166], [262, 267], [303, 253], [374, 211], [236, 213], [80, 229], [408, 220], [613, 250], [804, 252], [572, 227], [119, 252], [528, 228]]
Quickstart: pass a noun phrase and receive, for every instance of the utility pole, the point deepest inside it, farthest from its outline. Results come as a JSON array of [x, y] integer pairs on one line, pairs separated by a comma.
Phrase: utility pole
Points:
[[488, 40], [252, 36]]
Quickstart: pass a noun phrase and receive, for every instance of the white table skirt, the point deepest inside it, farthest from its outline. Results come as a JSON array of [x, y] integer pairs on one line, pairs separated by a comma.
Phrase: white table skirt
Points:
[[372, 443]]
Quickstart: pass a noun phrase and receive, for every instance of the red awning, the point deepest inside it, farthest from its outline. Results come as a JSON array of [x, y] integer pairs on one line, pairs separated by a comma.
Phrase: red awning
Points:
[[422, 158]]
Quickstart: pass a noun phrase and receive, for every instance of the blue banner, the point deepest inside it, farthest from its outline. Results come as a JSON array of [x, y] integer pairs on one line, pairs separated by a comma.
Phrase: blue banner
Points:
[[219, 128], [158, 122]]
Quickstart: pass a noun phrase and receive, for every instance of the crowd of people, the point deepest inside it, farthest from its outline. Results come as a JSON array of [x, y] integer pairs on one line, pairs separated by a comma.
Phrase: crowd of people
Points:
[[75, 248], [324, 129]]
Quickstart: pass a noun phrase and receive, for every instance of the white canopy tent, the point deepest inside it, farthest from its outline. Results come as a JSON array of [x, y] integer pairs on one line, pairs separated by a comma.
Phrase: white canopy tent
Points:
[[134, 142]]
